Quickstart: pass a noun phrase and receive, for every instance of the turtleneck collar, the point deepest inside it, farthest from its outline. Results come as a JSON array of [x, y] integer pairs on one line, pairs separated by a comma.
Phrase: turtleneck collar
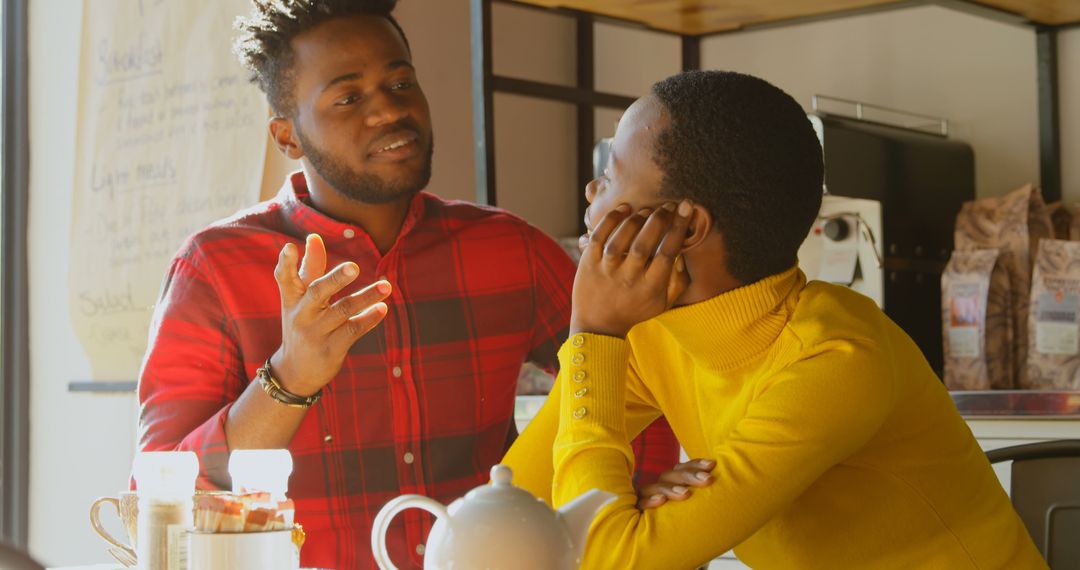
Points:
[[735, 326]]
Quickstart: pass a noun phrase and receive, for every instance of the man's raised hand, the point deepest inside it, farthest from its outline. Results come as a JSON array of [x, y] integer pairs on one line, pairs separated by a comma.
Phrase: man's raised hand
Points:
[[316, 334]]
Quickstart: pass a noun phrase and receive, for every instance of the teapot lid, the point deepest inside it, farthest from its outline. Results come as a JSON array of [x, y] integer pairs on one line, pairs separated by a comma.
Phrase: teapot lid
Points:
[[501, 475], [501, 489]]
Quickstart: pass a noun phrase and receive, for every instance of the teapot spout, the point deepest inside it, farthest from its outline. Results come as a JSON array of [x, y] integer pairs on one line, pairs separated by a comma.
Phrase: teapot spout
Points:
[[578, 514]]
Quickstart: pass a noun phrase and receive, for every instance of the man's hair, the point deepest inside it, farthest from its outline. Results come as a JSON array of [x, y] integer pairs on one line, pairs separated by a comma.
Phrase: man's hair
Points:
[[746, 151], [264, 45]]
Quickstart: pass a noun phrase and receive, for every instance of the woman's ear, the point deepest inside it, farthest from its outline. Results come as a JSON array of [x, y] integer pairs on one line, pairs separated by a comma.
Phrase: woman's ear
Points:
[[282, 131], [701, 224]]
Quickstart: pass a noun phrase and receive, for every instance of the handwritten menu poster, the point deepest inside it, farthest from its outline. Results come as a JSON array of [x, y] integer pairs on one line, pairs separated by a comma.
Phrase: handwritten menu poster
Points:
[[171, 136]]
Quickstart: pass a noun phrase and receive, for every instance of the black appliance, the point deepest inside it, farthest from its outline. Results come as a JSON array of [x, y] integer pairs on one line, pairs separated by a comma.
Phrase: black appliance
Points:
[[921, 179]]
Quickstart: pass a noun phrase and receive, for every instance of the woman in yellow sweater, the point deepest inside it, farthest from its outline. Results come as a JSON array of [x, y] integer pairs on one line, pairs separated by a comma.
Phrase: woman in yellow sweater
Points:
[[835, 445]]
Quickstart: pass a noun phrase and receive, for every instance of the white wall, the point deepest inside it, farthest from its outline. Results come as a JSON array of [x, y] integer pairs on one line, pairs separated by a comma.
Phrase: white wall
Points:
[[629, 61], [438, 32], [978, 73], [81, 445], [532, 44], [535, 162], [535, 169], [535, 140]]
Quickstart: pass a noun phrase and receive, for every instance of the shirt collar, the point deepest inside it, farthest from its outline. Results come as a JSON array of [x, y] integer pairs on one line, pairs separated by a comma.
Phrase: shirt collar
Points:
[[295, 199]]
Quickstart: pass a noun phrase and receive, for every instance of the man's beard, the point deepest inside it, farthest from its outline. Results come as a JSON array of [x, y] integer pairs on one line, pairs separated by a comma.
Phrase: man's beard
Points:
[[364, 186]]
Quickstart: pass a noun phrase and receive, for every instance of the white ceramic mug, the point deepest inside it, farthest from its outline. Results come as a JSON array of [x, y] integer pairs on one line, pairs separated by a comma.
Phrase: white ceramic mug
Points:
[[272, 550], [127, 509]]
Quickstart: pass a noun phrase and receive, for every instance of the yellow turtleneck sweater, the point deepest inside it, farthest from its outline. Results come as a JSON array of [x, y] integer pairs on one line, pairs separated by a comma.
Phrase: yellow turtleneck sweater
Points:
[[836, 445]]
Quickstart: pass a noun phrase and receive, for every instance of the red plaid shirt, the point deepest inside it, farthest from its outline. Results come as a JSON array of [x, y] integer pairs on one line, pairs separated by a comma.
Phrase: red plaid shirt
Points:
[[424, 402]]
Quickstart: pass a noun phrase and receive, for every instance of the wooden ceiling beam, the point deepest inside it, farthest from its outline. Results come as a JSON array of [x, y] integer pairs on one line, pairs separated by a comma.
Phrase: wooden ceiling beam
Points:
[[708, 17]]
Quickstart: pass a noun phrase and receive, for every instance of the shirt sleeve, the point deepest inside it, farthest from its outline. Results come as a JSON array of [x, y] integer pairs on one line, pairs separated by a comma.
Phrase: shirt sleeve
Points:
[[793, 431], [553, 280], [191, 375]]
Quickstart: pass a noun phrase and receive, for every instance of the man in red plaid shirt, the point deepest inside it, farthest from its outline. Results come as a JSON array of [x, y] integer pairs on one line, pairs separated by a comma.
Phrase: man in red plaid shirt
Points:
[[374, 330]]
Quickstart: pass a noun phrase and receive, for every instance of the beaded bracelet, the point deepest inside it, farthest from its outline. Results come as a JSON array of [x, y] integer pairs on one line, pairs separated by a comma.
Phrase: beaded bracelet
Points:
[[274, 389]]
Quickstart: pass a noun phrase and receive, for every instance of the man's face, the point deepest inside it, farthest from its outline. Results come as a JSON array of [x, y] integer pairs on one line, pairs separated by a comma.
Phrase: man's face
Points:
[[632, 176], [362, 121]]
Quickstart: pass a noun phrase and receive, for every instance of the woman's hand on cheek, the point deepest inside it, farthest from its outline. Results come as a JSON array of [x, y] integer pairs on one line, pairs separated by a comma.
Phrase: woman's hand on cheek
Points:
[[627, 273]]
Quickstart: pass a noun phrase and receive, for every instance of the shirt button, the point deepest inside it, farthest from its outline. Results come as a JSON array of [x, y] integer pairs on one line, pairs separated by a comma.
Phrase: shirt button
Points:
[[420, 549], [383, 278], [328, 438], [577, 359], [349, 233], [408, 457], [396, 372], [580, 412], [579, 376], [579, 341]]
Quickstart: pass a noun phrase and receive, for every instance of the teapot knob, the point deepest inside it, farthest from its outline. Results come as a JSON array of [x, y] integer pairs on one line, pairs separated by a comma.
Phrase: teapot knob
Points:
[[501, 475]]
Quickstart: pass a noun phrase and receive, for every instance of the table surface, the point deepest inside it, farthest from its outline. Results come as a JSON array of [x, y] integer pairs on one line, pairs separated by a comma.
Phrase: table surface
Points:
[[91, 567], [108, 567]]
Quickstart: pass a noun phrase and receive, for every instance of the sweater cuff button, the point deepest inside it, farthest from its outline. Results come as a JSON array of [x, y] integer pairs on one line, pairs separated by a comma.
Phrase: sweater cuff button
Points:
[[578, 340], [580, 412]]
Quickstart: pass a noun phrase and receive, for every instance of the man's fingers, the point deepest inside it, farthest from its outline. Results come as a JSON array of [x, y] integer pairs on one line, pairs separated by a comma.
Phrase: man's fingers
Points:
[[358, 325], [314, 263], [352, 305], [322, 289], [290, 286]]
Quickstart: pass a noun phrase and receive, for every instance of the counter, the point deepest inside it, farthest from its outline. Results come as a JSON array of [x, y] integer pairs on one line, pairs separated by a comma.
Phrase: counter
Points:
[[1002, 404]]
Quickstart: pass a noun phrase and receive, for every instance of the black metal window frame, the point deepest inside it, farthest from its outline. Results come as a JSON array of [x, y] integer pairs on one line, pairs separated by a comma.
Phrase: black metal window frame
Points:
[[14, 278], [586, 98], [583, 94]]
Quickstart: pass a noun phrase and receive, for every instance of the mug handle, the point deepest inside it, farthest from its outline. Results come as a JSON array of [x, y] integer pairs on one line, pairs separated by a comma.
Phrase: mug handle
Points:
[[387, 514], [95, 521]]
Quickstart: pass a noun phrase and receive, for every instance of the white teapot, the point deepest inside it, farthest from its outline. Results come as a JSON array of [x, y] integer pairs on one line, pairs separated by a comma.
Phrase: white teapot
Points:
[[497, 526]]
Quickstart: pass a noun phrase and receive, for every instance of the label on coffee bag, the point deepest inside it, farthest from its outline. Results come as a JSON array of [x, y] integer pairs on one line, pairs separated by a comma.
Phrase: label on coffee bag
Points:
[[1056, 324], [964, 317]]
